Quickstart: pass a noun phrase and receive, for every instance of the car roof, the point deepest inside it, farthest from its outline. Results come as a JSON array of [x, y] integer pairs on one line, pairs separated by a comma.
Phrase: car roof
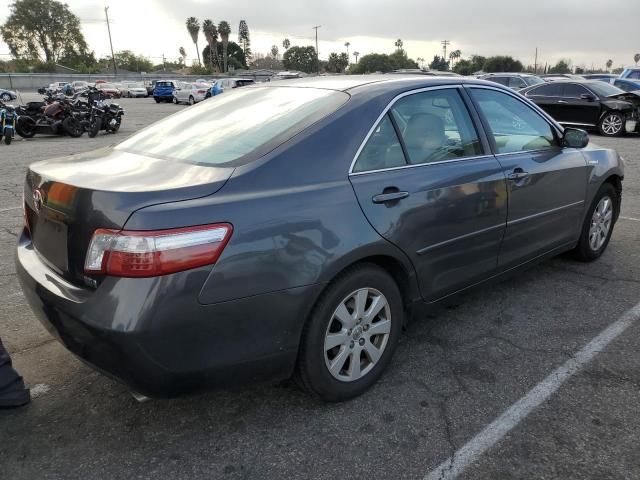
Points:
[[347, 82]]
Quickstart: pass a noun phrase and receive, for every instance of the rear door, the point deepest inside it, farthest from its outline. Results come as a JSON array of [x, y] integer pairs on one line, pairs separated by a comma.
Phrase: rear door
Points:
[[546, 183], [547, 97], [426, 182]]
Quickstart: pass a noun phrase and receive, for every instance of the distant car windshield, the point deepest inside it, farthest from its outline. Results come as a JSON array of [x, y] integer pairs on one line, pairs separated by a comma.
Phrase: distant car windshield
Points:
[[533, 80], [110, 86], [605, 89], [164, 84], [230, 126]]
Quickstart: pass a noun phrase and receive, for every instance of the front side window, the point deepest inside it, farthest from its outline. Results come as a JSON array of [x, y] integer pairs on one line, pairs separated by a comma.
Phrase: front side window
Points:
[[546, 90], [251, 120], [436, 126], [515, 126], [571, 90], [382, 150], [516, 82]]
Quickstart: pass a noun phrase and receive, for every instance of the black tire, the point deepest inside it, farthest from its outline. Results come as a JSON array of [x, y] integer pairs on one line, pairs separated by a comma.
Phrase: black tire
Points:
[[584, 251], [192, 101], [72, 127], [117, 126], [8, 136], [207, 95], [312, 372], [175, 100], [612, 125], [5, 97], [94, 127], [156, 99], [26, 127]]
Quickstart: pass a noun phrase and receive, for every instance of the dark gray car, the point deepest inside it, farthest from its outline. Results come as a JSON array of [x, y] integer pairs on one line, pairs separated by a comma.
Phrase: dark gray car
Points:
[[291, 228]]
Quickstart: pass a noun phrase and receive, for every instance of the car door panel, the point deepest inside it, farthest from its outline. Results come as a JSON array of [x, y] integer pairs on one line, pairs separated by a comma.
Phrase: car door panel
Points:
[[450, 224], [546, 205], [577, 110]]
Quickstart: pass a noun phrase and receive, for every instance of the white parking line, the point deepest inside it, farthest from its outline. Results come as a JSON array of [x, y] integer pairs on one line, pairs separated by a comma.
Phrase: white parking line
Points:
[[9, 209], [496, 430], [631, 218]]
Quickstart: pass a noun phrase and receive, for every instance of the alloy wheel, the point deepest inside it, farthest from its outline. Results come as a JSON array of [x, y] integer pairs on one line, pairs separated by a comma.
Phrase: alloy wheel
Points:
[[600, 223], [357, 334], [612, 124], [6, 97]]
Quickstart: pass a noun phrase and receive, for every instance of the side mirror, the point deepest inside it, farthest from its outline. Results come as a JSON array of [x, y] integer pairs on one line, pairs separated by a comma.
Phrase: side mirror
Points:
[[588, 97], [575, 138]]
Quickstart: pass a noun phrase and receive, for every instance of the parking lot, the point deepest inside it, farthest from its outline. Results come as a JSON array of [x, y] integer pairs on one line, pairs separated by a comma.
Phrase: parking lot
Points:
[[454, 373]]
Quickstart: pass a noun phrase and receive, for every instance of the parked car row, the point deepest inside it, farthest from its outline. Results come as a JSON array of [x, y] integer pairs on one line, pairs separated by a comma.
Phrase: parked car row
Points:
[[191, 93]]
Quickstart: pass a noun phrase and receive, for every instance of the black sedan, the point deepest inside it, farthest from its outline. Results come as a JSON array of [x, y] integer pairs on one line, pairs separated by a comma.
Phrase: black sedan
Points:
[[589, 104], [290, 228]]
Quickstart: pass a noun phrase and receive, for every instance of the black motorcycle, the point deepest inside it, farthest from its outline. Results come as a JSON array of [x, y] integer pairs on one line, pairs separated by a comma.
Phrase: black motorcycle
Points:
[[102, 115], [8, 118], [57, 115]]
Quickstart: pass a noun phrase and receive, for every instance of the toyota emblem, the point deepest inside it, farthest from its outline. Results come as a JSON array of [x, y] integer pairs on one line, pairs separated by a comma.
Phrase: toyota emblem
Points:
[[37, 199]]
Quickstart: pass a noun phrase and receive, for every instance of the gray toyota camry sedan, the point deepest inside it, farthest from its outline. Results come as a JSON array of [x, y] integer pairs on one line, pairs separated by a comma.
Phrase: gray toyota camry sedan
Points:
[[290, 229]]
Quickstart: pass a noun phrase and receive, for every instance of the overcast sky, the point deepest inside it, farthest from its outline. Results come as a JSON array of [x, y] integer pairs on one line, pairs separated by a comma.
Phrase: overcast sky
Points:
[[586, 31]]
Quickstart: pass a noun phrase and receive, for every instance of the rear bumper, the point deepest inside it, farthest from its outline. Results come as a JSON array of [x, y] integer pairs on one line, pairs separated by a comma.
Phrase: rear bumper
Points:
[[154, 336]]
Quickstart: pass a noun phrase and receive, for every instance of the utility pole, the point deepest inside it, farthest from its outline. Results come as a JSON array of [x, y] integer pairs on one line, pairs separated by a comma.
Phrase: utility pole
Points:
[[445, 44], [535, 63], [164, 64], [115, 67], [317, 53]]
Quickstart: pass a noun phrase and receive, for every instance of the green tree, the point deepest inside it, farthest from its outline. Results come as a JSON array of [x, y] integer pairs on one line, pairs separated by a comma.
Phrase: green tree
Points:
[[300, 58], [439, 63], [224, 29], [286, 44], [82, 62], [356, 54], [127, 60], [502, 64], [380, 62], [337, 62], [274, 51], [399, 44], [454, 56], [183, 55], [43, 30], [193, 27], [470, 66], [211, 35], [347, 45], [636, 58], [609, 64], [243, 38], [235, 55], [562, 66]]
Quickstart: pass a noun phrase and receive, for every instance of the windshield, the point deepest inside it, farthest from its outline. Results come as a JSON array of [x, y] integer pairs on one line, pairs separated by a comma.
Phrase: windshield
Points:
[[232, 125], [604, 89], [107, 85]]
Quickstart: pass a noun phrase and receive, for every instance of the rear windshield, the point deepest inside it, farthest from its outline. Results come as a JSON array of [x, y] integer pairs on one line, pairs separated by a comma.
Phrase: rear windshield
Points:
[[164, 84], [227, 127]]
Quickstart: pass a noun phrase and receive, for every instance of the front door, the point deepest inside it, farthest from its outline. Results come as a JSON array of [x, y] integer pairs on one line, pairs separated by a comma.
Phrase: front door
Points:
[[426, 184], [579, 106], [546, 183]]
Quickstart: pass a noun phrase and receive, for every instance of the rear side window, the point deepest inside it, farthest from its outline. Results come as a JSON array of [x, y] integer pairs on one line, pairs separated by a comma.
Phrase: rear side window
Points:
[[251, 120], [382, 150], [436, 126], [501, 80], [516, 82], [571, 90], [515, 126], [635, 74]]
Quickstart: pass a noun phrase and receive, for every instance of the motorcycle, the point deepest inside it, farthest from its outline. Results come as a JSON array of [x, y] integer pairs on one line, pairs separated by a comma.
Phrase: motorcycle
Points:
[[102, 115], [56, 115], [7, 122]]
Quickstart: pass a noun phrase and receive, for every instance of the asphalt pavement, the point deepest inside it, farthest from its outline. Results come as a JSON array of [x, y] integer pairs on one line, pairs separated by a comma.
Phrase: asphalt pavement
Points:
[[454, 374]]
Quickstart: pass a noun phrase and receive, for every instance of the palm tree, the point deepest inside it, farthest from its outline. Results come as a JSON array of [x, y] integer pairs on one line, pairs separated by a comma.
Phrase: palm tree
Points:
[[193, 26], [347, 44], [211, 34], [356, 54], [636, 58], [453, 56], [274, 52], [183, 55], [286, 44], [609, 64], [399, 43], [224, 29], [420, 61]]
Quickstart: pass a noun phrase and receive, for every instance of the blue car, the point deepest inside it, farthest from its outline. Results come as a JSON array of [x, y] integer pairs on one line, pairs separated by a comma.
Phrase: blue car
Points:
[[626, 84], [163, 91], [631, 73]]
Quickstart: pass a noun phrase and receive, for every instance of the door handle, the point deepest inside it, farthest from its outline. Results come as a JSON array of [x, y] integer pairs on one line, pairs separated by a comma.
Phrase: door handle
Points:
[[389, 197], [562, 101], [517, 174]]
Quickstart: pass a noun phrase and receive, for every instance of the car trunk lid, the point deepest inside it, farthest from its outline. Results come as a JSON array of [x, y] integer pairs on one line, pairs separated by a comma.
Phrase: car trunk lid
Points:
[[67, 199]]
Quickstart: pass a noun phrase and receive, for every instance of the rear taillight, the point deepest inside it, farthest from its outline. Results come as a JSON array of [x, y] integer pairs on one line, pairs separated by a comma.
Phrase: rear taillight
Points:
[[202, 92], [130, 253]]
